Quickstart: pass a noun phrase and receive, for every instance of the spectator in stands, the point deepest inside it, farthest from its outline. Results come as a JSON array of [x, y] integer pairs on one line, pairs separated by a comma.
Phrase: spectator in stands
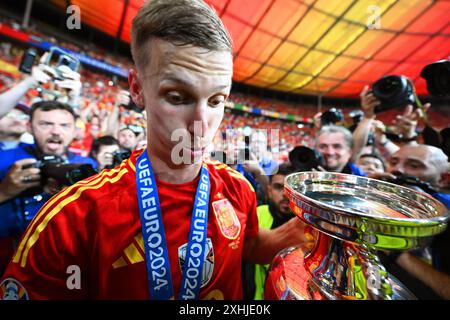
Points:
[[79, 144], [183, 76], [335, 143], [94, 126], [21, 195], [13, 126], [249, 167], [128, 138], [259, 147], [9, 99], [103, 149]]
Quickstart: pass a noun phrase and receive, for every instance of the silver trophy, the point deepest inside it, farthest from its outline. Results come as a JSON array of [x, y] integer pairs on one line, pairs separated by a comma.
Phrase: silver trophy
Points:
[[356, 217]]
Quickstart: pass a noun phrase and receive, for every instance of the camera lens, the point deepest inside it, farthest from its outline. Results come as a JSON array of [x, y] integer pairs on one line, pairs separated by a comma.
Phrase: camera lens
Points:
[[390, 87], [304, 159], [393, 91], [332, 116]]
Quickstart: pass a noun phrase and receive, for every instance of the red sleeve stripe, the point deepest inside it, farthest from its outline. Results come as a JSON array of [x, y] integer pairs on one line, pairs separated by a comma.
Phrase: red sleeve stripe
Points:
[[57, 200]]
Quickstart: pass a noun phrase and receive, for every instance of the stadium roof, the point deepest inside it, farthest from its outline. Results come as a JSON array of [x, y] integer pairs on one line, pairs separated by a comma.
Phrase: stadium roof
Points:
[[328, 47]]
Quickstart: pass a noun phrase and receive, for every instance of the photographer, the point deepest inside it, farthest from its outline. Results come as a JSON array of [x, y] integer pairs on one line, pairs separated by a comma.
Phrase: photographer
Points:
[[102, 151], [431, 279], [335, 144], [128, 138], [427, 163], [405, 130], [368, 125], [52, 126]]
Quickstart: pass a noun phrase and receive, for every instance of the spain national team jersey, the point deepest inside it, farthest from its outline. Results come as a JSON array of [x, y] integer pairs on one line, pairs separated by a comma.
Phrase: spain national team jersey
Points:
[[86, 242]]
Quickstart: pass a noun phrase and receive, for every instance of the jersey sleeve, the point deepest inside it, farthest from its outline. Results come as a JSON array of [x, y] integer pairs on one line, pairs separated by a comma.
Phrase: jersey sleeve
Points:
[[252, 227], [50, 261]]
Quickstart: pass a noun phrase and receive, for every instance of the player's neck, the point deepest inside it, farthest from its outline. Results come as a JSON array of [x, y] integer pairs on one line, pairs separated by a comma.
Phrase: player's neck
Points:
[[168, 172]]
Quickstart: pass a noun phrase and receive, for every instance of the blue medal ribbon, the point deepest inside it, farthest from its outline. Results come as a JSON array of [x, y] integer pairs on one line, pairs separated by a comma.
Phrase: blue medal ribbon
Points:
[[156, 252]]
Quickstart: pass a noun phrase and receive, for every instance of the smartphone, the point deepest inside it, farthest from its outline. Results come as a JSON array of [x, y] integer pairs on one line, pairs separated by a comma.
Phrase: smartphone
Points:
[[27, 62]]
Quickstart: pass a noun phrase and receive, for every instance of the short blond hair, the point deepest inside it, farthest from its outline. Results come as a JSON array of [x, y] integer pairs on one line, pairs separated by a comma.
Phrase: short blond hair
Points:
[[180, 22]]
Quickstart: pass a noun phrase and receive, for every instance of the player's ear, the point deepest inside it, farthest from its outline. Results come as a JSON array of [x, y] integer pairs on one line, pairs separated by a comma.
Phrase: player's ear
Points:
[[136, 91]]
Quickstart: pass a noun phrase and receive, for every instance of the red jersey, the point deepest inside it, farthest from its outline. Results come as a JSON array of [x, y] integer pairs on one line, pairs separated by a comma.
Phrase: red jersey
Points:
[[93, 230]]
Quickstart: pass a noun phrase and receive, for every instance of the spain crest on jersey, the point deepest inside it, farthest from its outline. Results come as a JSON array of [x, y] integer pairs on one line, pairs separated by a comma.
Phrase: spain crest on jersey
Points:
[[227, 219], [11, 289]]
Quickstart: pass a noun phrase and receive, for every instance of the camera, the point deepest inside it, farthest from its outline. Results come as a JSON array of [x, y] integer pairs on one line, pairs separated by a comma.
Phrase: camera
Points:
[[64, 173], [437, 76], [331, 116], [118, 156], [132, 107], [411, 182], [305, 159], [393, 91]]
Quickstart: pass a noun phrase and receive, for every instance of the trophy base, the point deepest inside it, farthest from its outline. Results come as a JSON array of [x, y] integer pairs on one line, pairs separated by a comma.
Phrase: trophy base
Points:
[[289, 279]]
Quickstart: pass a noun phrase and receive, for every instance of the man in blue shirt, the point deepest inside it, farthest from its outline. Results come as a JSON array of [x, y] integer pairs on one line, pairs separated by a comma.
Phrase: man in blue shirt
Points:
[[335, 144], [12, 126], [53, 127]]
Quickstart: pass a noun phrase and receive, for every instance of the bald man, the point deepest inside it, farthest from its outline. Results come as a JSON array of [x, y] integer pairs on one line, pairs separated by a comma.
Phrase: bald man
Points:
[[425, 162], [426, 281]]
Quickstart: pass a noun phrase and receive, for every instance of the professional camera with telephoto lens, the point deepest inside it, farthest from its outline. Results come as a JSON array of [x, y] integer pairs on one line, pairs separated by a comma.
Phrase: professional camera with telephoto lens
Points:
[[411, 182], [331, 116], [392, 92], [437, 76], [65, 174], [305, 159]]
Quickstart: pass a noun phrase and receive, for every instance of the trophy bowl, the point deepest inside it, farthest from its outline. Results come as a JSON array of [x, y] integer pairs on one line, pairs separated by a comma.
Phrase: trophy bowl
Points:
[[355, 216]]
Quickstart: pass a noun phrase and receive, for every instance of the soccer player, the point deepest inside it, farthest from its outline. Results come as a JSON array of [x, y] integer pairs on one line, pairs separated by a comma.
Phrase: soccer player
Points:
[[165, 223]]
